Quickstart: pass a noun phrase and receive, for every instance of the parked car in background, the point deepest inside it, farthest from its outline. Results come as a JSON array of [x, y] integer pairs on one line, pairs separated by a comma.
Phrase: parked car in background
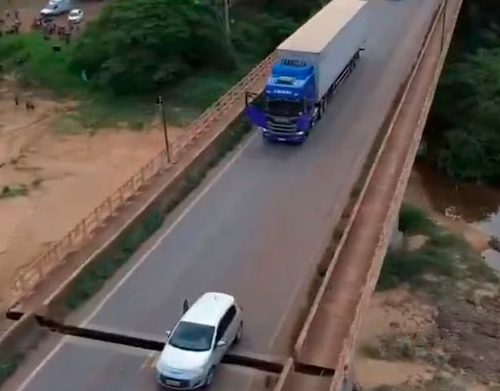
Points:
[[75, 15], [56, 7]]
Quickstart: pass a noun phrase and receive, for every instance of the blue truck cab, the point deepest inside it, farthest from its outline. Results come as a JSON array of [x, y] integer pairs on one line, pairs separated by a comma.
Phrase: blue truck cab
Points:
[[310, 66], [285, 111]]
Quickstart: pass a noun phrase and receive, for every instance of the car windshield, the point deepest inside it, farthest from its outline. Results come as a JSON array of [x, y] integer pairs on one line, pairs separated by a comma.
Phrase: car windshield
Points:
[[282, 107], [74, 13], [192, 336]]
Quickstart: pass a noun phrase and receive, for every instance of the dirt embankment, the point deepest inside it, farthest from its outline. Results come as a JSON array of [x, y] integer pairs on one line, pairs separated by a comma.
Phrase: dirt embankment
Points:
[[418, 341], [442, 333], [51, 178]]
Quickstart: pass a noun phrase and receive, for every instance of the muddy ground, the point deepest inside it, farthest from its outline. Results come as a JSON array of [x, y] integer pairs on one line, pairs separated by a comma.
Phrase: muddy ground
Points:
[[50, 180], [443, 335], [421, 340]]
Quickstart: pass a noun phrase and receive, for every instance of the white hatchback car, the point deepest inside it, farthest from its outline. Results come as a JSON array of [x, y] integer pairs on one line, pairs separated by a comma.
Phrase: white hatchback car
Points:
[[199, 341], [75, 16]]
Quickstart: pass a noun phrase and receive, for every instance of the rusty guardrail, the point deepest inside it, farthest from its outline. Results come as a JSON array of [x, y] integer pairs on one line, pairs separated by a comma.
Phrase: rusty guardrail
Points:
[[29, 275]]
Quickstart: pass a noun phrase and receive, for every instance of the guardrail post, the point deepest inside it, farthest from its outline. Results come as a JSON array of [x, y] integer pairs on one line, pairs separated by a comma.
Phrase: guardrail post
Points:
[[107, 205], [84, 229], [97, 215]]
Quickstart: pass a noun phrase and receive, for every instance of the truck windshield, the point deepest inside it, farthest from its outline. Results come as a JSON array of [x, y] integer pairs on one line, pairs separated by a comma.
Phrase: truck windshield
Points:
[[283, 107]]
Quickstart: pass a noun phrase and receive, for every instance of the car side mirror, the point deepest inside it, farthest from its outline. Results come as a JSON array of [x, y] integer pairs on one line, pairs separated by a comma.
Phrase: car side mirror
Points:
[[168, 332], [221, 343]]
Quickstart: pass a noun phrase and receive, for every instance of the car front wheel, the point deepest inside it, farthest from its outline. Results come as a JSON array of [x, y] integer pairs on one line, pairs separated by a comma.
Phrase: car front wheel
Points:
[[239, 333], [210, 377]]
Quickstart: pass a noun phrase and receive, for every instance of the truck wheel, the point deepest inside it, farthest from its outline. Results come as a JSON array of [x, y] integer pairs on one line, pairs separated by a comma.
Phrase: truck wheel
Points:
[[268, 140], [306, 136], [321, 109]]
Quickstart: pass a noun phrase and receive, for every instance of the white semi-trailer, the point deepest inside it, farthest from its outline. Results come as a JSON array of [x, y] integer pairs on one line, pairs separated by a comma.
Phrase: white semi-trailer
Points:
[[311, 65]]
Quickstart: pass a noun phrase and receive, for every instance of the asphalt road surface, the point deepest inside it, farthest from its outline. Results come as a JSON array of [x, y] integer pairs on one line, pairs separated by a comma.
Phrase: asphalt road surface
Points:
[[255, 229], [105, 366]]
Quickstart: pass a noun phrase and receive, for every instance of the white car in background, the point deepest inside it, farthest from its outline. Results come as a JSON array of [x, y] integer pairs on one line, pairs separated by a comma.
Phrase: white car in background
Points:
[[56, 7], [75, 16], [199, 341]]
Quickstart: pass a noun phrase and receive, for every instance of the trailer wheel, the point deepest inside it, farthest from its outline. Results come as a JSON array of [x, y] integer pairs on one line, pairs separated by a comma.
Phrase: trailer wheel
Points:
[[316, 116], [321, 108]]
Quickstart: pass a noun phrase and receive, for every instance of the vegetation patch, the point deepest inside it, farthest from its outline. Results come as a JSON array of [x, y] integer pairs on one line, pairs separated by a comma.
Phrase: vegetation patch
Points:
[[9, 366], [443, 256], [413, 220], [412, 267], [9, 191]]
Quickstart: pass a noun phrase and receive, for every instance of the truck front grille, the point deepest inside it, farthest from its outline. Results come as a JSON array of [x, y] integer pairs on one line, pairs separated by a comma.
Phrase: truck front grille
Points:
[[282, 124]]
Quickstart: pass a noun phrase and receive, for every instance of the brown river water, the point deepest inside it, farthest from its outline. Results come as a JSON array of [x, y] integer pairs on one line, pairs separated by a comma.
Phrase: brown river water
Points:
[[477, 205]]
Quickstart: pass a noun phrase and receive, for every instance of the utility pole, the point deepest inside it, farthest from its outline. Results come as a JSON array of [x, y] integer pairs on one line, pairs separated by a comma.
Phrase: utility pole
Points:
[[159, 101]]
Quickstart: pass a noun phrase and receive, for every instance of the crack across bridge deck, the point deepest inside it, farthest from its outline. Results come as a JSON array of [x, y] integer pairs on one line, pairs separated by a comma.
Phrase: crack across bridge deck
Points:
[[265, 363]]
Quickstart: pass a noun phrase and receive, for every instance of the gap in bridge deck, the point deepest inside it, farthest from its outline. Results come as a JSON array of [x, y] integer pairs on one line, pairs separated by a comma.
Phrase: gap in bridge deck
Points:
[[251, 360]]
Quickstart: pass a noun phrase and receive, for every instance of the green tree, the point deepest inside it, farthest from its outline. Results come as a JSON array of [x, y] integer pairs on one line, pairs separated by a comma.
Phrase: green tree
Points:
[[468, 109], [141, 45], [463, 129]]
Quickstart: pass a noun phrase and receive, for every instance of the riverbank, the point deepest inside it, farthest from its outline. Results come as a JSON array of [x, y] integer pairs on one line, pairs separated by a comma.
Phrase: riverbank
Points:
[[436, 326]]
